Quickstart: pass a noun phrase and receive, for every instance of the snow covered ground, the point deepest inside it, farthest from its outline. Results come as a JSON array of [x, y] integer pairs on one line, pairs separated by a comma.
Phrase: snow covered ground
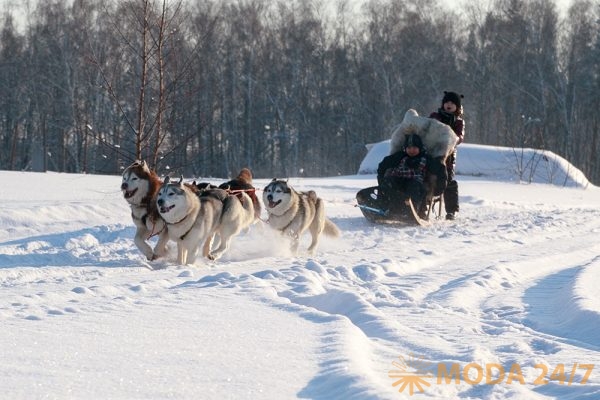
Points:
[[501, 303]]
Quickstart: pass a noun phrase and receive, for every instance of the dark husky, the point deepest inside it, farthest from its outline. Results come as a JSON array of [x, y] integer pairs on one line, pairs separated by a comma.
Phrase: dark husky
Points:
[[193, 218], [243, 183]]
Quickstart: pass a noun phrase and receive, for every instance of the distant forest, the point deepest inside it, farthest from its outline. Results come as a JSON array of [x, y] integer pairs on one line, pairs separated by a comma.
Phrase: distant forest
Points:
[[287, 87]]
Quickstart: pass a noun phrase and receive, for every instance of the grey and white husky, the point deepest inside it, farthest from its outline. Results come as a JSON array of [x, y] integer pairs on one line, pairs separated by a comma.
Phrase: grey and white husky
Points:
[[194, 217], [140, 186], [293, 213]]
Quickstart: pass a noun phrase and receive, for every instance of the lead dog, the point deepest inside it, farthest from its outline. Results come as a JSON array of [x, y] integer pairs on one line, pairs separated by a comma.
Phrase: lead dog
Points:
[[193, 217], [293, 213], [140, 186]]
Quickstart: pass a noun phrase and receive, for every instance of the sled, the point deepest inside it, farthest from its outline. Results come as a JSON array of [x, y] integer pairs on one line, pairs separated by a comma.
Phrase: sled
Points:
[[404, 214], [440, 141], [434, 205]]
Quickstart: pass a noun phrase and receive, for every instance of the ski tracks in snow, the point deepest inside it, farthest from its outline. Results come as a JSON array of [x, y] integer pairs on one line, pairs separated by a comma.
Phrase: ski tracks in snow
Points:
[[504, 284], [469, 294]]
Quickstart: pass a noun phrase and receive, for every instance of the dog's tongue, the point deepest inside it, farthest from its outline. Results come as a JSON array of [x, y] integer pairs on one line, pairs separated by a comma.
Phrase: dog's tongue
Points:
[[272, 204]]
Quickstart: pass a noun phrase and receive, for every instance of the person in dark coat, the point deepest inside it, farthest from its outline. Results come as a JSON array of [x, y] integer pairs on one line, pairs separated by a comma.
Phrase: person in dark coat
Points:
[[451, 114], [404, 174]]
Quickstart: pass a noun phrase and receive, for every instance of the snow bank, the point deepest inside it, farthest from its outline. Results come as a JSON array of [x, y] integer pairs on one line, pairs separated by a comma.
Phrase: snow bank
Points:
[[521, 165]]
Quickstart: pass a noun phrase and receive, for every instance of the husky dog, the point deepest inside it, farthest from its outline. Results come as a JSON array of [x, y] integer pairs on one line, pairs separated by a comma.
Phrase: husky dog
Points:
[[293, 212], [438, 138], [204, 186], [193, 217], [243, 183], [140, 186]]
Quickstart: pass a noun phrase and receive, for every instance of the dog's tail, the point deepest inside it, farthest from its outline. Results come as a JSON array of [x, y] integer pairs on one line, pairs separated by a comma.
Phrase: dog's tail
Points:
[[331, 229]]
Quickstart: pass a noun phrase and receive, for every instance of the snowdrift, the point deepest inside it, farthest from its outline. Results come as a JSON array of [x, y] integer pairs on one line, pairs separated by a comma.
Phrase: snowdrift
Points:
[[513, 281], [522, 165]]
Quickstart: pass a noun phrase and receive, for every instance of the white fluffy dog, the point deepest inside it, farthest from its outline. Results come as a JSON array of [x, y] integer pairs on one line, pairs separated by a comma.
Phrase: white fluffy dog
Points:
[[439, 139]]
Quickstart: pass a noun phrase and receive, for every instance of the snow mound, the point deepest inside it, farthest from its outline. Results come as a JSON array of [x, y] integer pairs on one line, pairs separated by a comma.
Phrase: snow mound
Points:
[[522, 165]]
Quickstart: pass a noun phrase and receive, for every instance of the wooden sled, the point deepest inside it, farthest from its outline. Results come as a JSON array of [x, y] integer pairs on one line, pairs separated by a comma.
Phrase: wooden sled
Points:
[[404, 213]]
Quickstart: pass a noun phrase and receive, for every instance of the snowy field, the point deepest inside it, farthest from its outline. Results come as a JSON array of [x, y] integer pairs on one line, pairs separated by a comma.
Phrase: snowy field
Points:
[[502, 303]]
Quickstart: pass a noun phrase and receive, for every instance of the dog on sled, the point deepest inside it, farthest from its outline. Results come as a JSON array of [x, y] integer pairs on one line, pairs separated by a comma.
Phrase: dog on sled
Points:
[[438, 138], [140, 187], [293, 213], [193, 218]]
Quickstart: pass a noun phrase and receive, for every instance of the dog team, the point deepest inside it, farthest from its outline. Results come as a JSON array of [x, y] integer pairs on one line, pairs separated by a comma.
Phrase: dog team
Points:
[[201, 214]]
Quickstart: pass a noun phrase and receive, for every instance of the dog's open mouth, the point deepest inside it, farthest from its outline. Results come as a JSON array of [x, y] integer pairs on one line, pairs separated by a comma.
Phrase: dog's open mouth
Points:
[[273, 204], [129, 193], [164, 210]]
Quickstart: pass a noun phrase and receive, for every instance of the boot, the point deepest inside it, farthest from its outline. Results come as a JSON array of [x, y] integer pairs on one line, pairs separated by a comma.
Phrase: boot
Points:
[[451, 197]]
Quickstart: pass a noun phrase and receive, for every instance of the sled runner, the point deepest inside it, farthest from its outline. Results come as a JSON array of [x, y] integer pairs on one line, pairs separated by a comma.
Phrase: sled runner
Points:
[[403, 214]]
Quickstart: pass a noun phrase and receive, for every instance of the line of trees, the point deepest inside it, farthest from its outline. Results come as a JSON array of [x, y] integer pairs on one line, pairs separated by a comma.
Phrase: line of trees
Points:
[[287, 87]]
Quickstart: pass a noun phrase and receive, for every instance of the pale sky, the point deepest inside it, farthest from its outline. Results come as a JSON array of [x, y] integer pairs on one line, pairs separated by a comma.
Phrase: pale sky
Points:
[[16, 5]]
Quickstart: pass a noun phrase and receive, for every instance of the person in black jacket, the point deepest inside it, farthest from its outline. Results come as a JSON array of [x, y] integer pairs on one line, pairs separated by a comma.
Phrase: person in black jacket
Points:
[[405, 174], [451, 114]]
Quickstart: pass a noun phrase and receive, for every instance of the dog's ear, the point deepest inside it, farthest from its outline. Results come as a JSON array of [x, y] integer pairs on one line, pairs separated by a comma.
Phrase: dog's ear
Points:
[[274, 180], [167, 179], [180, 183]]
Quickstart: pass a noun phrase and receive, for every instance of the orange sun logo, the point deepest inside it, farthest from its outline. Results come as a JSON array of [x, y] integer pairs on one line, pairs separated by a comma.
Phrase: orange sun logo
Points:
[[411, 373]]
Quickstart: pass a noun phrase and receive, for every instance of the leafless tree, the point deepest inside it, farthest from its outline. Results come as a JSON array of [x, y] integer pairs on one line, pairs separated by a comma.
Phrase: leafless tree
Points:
[[287, 87]]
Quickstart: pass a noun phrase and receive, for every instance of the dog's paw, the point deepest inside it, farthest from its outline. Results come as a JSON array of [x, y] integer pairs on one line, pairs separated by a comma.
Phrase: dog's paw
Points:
[[158, 255], [214, 256]]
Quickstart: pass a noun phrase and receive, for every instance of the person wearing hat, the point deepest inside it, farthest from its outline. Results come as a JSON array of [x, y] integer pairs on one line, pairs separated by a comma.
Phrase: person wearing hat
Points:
[[402, 175], [451, 114]]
